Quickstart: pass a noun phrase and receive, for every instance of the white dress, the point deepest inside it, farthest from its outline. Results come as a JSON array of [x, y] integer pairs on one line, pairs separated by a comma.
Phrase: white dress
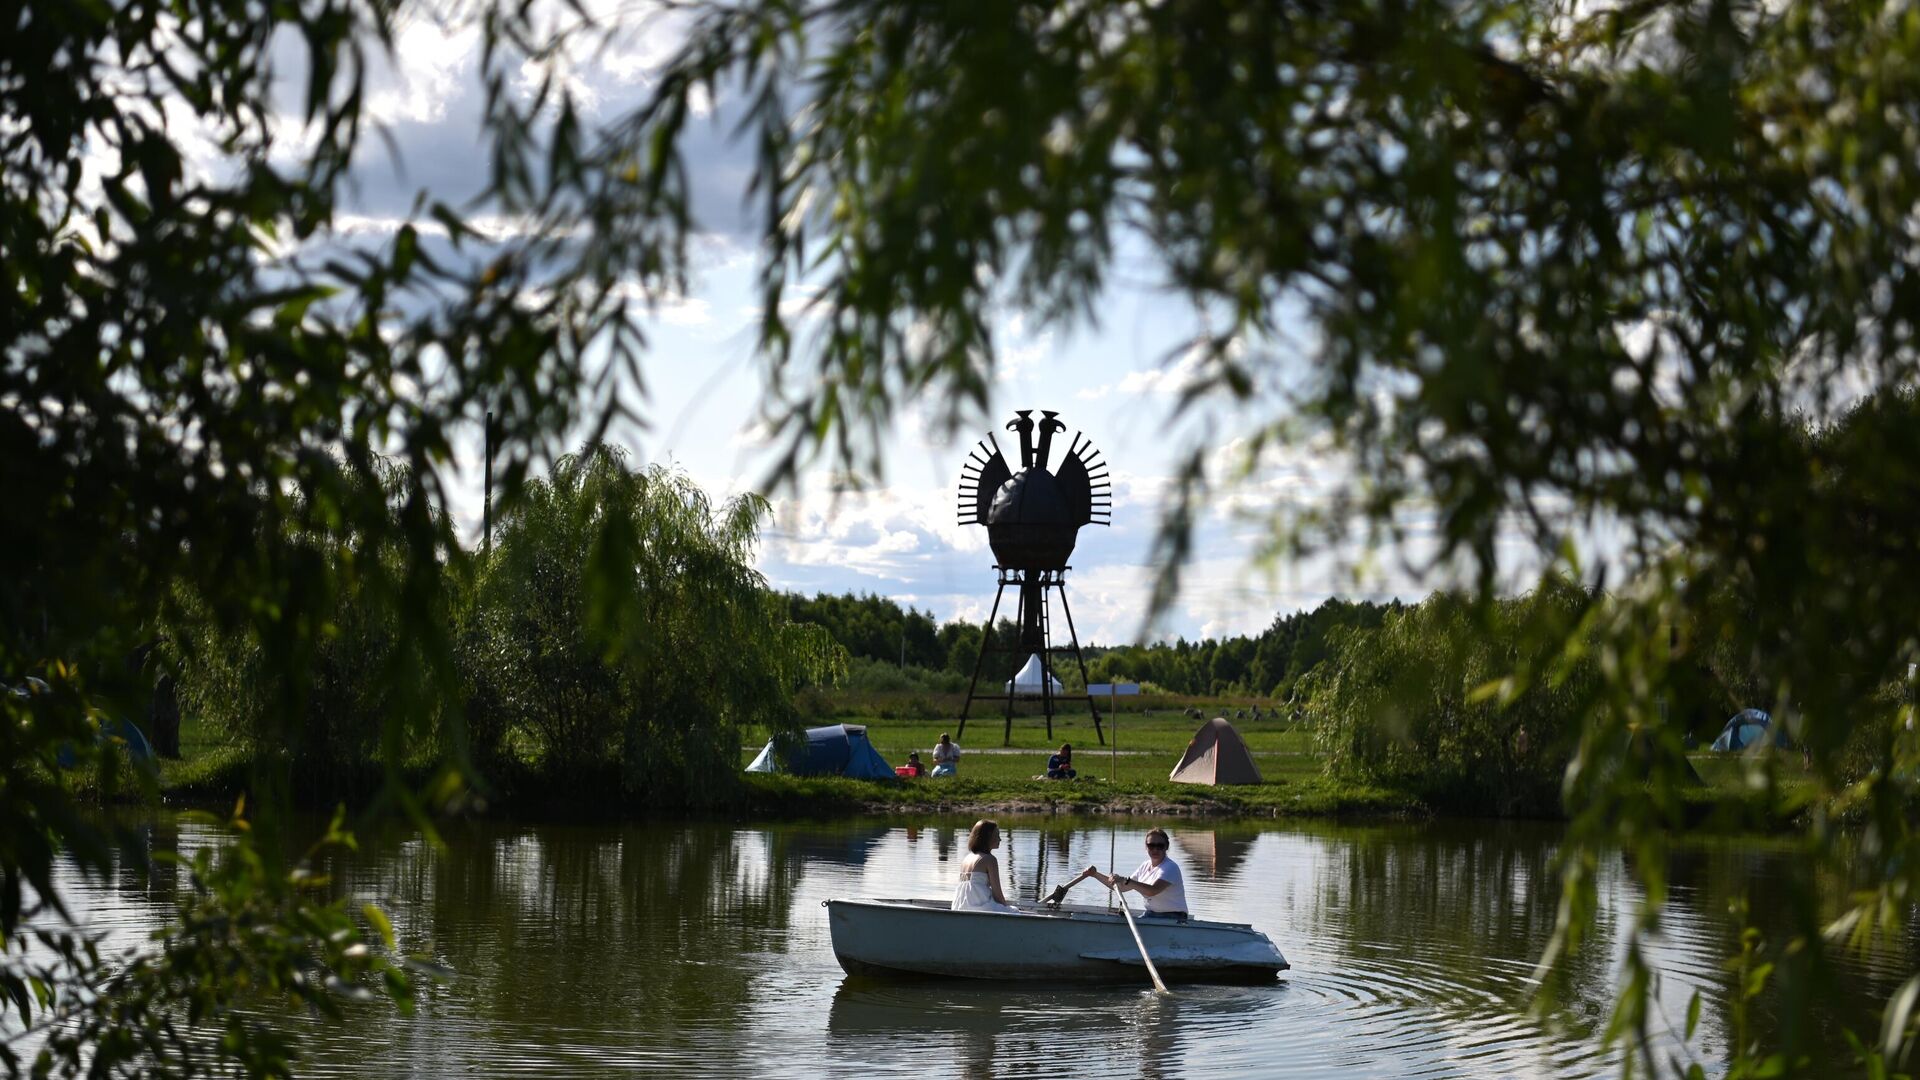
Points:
[[975, 893]]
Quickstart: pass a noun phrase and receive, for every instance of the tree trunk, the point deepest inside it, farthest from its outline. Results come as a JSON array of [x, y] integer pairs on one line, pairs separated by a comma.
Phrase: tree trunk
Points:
[[163, 718]]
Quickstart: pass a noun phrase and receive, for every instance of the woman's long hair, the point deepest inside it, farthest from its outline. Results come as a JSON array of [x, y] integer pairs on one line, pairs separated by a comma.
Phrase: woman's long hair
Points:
[[982, 834]]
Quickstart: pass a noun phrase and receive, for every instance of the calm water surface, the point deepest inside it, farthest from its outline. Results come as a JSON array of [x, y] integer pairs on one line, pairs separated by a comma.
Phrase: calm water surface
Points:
[[704, 948]]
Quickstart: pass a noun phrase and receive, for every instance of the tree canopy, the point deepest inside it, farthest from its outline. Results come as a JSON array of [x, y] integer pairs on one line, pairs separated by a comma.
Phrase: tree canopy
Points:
[[1534, 270], [1528, 269]]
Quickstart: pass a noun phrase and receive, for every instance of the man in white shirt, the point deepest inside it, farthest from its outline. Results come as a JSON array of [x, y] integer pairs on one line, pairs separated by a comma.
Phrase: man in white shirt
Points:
[[1158, 880]]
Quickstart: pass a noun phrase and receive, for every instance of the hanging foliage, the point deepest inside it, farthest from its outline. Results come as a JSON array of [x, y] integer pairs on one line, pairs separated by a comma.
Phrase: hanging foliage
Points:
[[620, 618]]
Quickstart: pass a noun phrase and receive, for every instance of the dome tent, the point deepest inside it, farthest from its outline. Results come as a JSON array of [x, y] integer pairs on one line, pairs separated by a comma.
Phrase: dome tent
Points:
[[1748, 727], [834, 750], [1027, 683], [1216, 755]]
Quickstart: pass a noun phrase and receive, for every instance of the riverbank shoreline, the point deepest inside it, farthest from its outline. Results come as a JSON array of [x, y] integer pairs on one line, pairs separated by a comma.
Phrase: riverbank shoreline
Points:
[[600, 797]]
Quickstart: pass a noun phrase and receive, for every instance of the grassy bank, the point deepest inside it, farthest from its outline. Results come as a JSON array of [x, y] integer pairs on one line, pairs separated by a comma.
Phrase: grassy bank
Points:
[[1127, 778], [996, 785], [1129, 775], [1315, 796]]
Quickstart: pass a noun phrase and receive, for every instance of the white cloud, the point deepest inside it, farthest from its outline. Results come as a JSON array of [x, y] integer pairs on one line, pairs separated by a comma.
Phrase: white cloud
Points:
[[1166, 380], [429, 64], [1021, 352], [684, 311], [798, 304]]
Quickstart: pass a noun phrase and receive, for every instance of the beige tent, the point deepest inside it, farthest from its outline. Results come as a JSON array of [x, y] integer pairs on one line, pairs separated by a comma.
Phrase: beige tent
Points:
[[1216, 755]]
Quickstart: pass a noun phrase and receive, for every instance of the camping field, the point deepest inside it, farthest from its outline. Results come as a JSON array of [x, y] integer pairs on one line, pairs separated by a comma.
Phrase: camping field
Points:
[[215, 768], [1149, 746], [1134, 777]]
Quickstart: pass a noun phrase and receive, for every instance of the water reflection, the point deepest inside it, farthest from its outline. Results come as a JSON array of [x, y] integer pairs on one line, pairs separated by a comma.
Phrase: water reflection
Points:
[[850, 846], [1219, 851], [704, 948], [573, 938], [993, 1030], [1817, 989]]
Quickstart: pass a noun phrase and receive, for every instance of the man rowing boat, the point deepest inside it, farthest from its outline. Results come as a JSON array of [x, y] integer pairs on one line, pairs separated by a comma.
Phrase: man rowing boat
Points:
[[1158, 881]]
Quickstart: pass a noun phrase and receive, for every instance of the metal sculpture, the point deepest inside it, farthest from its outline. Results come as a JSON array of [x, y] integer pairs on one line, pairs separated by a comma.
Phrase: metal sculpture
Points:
[[1033, 519]]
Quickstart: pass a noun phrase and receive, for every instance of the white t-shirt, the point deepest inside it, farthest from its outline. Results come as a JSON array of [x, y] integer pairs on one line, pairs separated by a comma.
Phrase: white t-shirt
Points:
[[1171, 898], [946, 754]]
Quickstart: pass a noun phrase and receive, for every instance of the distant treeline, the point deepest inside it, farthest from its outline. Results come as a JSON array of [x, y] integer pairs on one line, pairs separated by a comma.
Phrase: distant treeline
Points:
[[879, 635]]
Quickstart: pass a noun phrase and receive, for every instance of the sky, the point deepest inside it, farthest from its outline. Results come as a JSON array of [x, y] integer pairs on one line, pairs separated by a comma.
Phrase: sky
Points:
[[1116, 381]]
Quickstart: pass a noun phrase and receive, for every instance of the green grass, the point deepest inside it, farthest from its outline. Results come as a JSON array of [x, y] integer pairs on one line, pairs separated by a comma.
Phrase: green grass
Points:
[[1133, 780], [1162, 732], [214, 769], [1313, 795], [1148, 751]]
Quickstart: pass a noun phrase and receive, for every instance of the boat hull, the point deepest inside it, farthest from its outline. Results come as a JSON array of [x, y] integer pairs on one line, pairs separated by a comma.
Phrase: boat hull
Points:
[[926, 938]]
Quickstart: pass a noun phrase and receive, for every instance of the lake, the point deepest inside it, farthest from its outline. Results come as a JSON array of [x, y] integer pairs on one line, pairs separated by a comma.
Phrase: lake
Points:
[[704, 948]]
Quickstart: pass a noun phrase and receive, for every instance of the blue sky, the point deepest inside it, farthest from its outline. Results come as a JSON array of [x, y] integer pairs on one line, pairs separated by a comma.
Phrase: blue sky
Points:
[[1116, 381]]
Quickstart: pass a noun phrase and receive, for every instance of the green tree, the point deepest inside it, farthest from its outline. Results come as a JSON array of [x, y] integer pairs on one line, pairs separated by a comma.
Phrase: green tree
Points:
[[874, 627], [1546, 268], [1228, 666], [963, 646], [194, 408], [1413, 702], [1551, 266], [620, 619], [360, 670]]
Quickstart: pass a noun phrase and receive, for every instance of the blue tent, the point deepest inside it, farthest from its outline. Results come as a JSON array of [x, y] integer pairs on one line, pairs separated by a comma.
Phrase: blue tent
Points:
[[1748, 727], [834, 750], [138, 748]]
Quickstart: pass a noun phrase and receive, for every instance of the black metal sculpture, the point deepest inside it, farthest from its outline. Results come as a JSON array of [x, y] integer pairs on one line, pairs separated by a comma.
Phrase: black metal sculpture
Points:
[[1033, 518]]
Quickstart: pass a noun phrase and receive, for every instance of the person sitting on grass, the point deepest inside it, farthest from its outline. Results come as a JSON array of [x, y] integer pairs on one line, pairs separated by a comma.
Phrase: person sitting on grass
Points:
[[913, 767], [1060, 765], [946, 757]]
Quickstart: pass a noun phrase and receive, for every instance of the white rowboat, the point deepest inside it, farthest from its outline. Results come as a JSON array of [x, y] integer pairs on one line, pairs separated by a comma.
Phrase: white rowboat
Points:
[[927, 937]]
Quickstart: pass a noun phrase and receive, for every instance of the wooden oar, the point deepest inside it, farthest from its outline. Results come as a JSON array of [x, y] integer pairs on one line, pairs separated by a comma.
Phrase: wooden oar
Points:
[[1158, 986], [1059, 892]]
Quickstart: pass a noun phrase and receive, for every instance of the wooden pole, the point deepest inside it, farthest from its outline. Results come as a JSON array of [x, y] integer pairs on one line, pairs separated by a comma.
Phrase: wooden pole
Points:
[[1113, 844]]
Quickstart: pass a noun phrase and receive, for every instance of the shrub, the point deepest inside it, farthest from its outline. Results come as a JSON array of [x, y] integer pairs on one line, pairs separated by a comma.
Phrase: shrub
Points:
[[1430, 700]]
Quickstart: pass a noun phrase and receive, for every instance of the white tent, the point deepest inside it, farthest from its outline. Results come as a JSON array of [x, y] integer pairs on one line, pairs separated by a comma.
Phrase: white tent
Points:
[[1027, 683]]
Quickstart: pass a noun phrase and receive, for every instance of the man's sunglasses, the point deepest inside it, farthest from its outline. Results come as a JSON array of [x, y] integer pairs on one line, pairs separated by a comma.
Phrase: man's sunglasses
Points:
[[1156, 844]]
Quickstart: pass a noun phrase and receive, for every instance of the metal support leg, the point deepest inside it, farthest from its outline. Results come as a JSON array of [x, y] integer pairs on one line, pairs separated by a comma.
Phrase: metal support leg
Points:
[[1046, 655], [1081, 658], [985, 639], [1020, 620]]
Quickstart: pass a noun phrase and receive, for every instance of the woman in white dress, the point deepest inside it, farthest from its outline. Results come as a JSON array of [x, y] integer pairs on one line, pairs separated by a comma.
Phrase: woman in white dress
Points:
[[979, 887]]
